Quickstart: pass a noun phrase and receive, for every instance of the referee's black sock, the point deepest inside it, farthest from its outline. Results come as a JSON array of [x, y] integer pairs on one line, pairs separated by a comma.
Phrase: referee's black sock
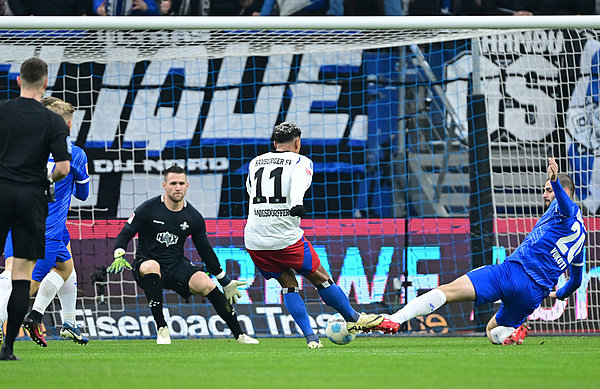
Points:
[[18, 303], [225, 310], [153, 288]]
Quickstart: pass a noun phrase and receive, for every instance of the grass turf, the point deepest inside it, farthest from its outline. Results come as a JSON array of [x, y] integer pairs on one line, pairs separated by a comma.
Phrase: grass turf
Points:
[[370, 362]]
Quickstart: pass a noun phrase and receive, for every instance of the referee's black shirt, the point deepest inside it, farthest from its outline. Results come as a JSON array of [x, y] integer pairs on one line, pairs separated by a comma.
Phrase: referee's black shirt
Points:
[[29, 132]]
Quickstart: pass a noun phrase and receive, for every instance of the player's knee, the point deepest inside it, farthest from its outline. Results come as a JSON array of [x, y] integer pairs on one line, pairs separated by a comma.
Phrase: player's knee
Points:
[[200, 283], [150, 266]]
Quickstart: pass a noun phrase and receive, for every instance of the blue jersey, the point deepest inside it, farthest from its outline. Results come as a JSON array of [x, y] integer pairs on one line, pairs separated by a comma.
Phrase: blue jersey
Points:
[[58, 210], [555, 243]]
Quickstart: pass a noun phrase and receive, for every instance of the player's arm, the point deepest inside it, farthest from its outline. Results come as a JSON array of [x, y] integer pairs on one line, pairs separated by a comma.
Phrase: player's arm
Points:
[[565, 204], [82, 178], [128, 231], [204, 248], [300, 181], [249, 184], [60, 147], [575, 278]]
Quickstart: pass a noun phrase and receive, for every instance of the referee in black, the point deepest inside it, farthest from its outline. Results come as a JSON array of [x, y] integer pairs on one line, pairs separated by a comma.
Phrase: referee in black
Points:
[[29, 132]]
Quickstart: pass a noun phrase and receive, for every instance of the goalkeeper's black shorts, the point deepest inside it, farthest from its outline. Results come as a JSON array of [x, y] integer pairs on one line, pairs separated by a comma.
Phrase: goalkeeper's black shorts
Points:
[[175, 274]]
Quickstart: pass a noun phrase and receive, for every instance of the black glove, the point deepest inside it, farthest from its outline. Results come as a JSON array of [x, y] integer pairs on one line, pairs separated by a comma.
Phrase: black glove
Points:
[[50, 192], [298, 210]]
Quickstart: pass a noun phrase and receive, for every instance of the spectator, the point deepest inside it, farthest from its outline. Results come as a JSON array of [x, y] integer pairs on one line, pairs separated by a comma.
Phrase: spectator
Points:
[[235, 7], [125, 7], [5, 9], [464, 7], [184, 7], [46, 8], [551, 7], [361, 8]]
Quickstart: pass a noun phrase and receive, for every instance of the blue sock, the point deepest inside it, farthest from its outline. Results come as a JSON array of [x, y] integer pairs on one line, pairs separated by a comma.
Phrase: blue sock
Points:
[[295, 306], [336, 299]]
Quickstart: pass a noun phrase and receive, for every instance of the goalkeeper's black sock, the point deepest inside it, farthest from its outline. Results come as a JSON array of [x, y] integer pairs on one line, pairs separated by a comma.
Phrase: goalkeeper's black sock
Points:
[[225, 310], [153, 288], [18, 303]]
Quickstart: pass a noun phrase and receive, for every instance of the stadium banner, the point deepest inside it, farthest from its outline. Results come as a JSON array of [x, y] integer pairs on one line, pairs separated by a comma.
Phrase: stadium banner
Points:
[[363, 257]]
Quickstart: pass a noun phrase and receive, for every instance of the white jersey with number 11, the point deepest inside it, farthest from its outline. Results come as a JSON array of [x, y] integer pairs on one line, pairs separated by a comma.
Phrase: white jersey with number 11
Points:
[[276, 182]]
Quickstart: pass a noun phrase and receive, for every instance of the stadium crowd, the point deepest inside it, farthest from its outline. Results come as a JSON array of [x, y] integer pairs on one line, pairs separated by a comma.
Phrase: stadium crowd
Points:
[[297, 7]]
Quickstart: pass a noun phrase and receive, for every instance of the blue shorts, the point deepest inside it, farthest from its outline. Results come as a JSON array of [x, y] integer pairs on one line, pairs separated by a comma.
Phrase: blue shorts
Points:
[[8, 245], [507, 282], [56, 251]]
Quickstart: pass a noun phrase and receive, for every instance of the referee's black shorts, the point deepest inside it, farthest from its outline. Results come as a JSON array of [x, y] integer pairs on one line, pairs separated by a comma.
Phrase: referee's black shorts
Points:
[[23, 209]]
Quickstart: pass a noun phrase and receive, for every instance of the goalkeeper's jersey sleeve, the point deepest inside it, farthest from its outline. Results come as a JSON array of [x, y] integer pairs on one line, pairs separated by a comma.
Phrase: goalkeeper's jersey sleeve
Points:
[[276, 182]]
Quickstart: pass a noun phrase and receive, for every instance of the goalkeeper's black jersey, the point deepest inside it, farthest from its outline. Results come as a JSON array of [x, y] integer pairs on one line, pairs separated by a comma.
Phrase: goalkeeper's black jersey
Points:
[[162, 233]]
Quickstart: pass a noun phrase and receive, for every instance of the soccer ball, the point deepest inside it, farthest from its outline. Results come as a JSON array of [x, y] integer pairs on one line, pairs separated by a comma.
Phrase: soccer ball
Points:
[[337, 331]]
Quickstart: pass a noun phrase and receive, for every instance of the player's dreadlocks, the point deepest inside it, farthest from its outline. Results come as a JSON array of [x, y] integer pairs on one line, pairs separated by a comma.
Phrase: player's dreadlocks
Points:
[[285, 132]]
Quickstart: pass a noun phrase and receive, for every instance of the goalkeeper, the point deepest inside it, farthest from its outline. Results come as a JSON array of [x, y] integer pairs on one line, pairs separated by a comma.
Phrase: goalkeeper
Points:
[[163, 224], [528, 275]]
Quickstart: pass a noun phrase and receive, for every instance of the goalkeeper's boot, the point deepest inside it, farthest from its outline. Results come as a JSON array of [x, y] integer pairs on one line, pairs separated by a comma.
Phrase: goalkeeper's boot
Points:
[[517, 336], [315, 344], [74, 333], [33, 327], [387, 327], [365, 321], [163, 337], [246, 339]]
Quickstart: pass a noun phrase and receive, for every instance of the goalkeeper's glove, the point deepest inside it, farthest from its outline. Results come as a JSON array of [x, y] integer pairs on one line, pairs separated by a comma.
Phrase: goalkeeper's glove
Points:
[[230, 288], [119, 263], [298, 210], [232, 292]]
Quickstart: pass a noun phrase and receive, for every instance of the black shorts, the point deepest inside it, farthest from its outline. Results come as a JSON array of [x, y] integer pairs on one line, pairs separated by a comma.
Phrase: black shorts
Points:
[[175, 275], [23, 210]]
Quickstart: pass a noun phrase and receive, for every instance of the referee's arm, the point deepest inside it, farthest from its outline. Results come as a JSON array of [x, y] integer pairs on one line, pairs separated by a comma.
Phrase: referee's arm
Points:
[[61, 169]]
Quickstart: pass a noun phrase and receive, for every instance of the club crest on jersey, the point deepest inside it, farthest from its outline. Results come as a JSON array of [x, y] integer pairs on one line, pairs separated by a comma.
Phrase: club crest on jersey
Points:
[[184, 226], [167, 238]]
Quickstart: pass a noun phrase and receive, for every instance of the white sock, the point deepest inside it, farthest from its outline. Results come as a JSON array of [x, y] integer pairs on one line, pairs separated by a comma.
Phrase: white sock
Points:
[[49, 286], [68, 299], [5, 290], [500, 333], [422, 305]]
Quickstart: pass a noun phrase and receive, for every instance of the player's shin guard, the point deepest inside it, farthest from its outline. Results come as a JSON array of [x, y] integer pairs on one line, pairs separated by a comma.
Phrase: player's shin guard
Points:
[[422, 305], [153, 288], [295, 306], [225, 310], [18, 303], [333, 296], [68, 299], [49, 286]]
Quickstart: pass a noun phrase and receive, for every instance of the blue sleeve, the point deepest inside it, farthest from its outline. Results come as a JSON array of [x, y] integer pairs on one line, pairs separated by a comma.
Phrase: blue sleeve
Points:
[[80, 174], [152, 8], [565, 204], [575, 276], [82, 191], [97, 3]]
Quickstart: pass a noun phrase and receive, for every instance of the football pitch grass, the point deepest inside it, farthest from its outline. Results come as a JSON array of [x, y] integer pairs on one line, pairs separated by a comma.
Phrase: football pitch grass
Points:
[[367, 362]]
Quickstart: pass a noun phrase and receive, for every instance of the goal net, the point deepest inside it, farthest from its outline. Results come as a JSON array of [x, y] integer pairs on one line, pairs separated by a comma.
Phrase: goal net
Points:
[[429, 147]]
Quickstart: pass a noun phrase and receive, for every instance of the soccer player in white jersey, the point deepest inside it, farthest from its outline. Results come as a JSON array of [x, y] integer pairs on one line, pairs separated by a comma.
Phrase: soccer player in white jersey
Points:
[[276, 184], [54, 274], [528, 275]]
